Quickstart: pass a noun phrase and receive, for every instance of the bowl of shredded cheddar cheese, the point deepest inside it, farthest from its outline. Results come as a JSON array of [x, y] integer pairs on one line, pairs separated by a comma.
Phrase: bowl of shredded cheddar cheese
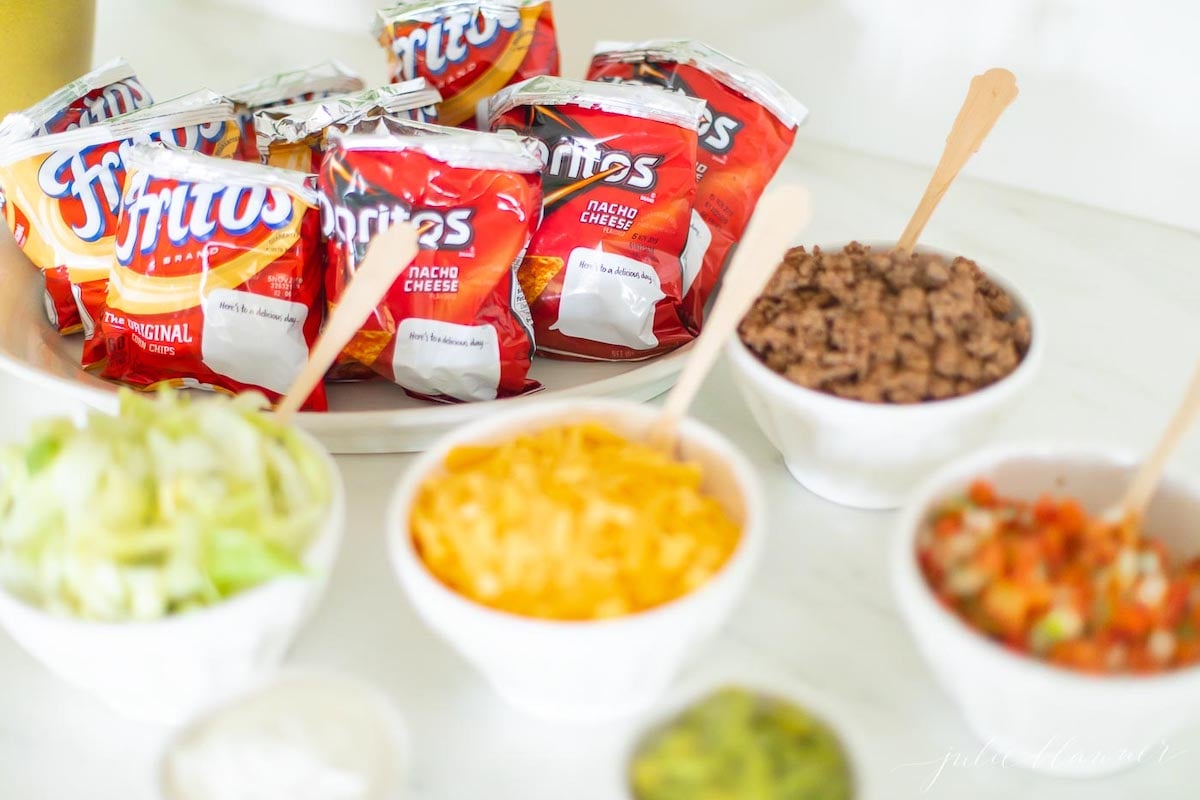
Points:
[[573, 564]]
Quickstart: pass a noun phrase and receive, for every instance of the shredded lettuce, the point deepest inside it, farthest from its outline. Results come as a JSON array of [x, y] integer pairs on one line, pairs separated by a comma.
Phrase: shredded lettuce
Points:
[[174, 504]]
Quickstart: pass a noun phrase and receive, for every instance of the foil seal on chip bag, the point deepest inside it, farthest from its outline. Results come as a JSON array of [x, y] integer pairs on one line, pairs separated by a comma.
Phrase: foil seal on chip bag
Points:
[[468, 49], [748, 128], [293, 137], [454, 325], [603, 276], [296, 86], [217, 276], [108, 91], [62, 193]]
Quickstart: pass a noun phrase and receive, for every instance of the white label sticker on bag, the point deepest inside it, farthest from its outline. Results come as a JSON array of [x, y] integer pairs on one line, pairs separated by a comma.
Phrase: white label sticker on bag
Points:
[[699, 238], [444, 358], [609, 298], [254, 339]]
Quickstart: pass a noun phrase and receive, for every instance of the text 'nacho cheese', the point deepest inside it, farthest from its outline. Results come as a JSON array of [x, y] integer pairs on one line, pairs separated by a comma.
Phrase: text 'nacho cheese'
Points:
[[216, 282], [62, 193], [602, 275], [294, 137], [748, 128], [454, 325], [468, 49]]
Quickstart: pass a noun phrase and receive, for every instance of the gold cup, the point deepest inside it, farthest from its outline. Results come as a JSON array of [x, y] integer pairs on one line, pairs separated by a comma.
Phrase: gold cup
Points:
[[43, 45]]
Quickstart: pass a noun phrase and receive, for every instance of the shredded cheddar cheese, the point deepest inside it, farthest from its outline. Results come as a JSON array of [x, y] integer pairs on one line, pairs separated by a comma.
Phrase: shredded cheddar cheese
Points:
[[572, 522]]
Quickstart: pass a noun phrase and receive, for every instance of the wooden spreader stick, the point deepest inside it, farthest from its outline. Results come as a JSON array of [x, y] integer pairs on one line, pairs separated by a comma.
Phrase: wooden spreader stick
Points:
[[780, 217], [387, 256], [989, 95]]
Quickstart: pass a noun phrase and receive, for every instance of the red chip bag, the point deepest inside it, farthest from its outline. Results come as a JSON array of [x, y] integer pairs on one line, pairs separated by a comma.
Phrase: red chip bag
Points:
[[454, 326], [468, 49], [748, 128], [106, 92], [217, 277], [319, 81], [602, 275], [62, 192]]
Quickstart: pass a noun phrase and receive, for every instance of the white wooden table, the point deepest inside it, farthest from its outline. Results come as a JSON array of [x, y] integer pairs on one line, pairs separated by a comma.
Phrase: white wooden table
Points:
[[1121, 300]]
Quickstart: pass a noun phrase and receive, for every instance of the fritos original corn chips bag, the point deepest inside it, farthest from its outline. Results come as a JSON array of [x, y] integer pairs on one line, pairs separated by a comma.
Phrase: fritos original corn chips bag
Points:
[[217, 278], [468, 49], [62, 193], [294, 137], [454, 326], [108, 91], [602, 275], [748, 128], [326, 79]]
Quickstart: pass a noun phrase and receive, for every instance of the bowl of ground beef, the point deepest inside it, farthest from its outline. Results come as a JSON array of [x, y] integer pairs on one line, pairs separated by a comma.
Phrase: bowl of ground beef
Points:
[[867, 367]]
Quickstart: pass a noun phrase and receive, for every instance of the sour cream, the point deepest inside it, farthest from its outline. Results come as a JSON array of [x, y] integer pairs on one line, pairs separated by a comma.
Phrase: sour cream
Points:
[[302, 737]]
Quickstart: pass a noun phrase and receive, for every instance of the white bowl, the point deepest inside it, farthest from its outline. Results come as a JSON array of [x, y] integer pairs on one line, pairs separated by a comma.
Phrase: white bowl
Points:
[[168, 669], [583, 670], [1043, 717], [870, 455]]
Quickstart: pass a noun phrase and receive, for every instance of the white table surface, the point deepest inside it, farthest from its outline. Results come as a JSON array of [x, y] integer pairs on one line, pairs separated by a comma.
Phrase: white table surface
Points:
[[1121, 299]]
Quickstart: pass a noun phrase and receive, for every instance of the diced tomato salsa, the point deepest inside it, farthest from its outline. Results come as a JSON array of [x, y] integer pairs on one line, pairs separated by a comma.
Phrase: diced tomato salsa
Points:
[[1048, 580]]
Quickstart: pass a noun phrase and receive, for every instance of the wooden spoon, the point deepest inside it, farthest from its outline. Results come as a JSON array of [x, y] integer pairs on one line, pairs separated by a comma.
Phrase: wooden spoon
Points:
[[387, 256], [781, 215], [989, 95], [1132, 507]]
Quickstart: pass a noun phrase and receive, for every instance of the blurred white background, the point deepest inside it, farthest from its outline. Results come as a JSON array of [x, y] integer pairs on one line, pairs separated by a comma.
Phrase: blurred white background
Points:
[[1109, 112]]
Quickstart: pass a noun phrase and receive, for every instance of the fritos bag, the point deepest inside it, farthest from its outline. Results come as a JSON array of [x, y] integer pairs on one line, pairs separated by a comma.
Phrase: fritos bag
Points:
[[108, 91], [468, 49], [603, 275], [454, 326], [322, 80], [293, 137], [216, 282], [62, 192], [748, 128]]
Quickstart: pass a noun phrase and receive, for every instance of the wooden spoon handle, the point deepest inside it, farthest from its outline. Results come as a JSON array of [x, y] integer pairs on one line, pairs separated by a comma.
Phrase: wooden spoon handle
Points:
[[989, 95], [1141, 490], [779, 217], [387, 256]]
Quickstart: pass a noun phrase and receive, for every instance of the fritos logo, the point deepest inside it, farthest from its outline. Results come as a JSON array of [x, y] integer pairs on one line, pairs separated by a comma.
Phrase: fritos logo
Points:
[[449, 40], [579, 159], [87, 182], [452, 229], [193, 212], [716, 131]]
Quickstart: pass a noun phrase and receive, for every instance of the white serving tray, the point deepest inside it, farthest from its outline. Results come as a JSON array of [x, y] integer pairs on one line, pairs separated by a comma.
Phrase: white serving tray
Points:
[[374, 417]]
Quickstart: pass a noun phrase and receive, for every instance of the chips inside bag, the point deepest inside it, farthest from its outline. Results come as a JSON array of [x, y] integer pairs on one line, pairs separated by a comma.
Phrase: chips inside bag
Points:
[[217, 279], [748, 128], [62, 192], [108, 91], [603, 275], [454, 326], [468, 49], [294, 137], [322, 80]]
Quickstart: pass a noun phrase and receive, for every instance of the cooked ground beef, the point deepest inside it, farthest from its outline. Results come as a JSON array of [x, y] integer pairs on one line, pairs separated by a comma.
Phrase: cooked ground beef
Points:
[[885, 327]]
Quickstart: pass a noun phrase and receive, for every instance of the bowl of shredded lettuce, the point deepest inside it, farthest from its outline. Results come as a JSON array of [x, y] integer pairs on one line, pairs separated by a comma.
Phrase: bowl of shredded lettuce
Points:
[[165, 556]]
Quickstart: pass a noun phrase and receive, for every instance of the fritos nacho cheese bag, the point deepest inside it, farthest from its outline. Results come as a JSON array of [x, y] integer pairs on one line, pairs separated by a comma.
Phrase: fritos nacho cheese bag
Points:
[[62, 192], [602, 274], [108, 91], [747, 130], [326, 79], [217, 276], [293, 137], [468, 49], [454, 326]]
